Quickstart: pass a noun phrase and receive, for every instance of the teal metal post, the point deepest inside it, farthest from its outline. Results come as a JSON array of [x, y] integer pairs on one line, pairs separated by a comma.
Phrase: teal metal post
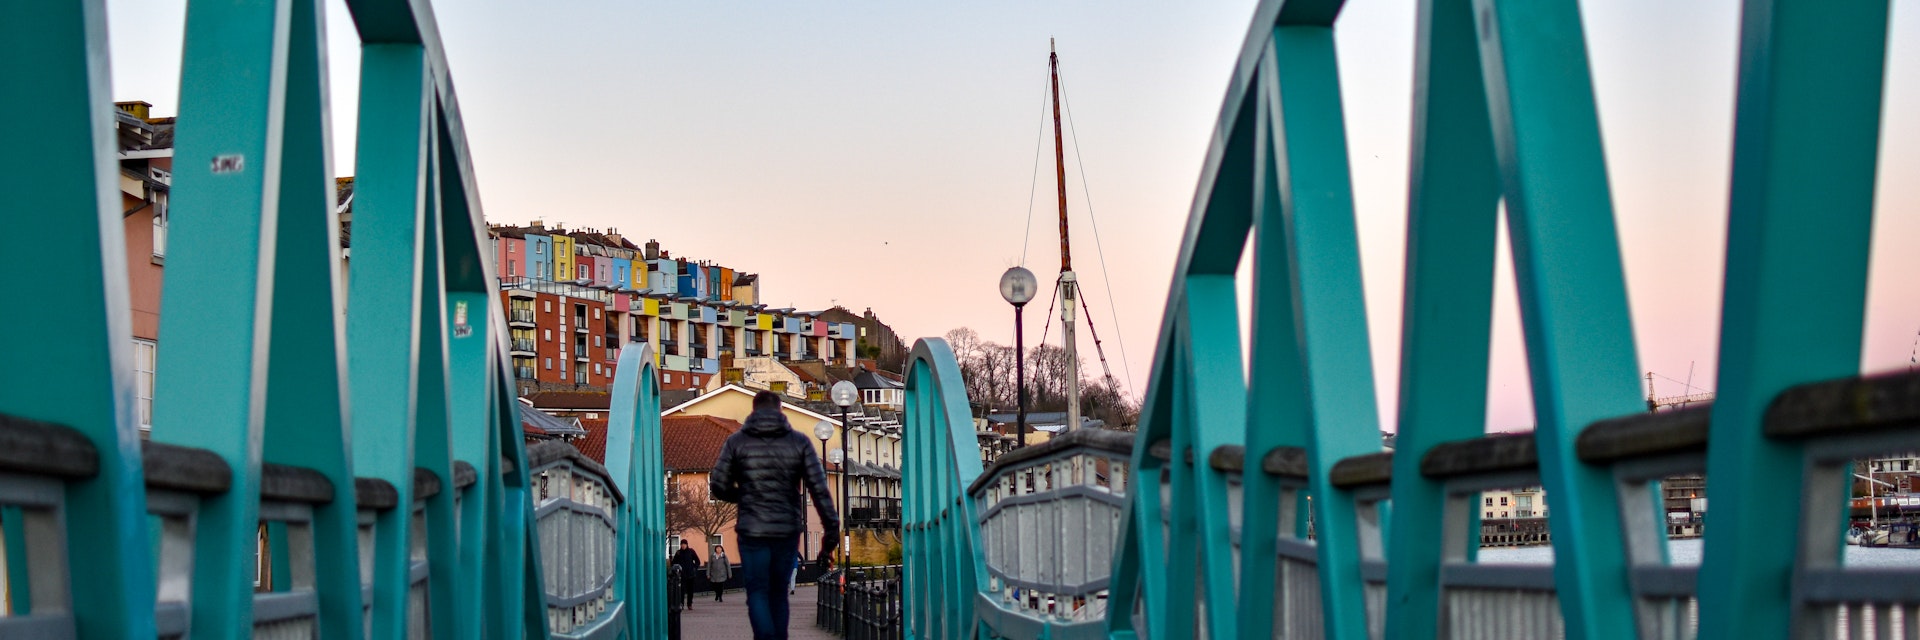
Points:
[[945, 570], [515, 596], [56, 112], [634, 460], [306, 423], [1573, 300], [474, 351], [1799, 233], [219, 285], [383, 317], [1454, 193], [1210, 412], [1300, 80], [432, 428]]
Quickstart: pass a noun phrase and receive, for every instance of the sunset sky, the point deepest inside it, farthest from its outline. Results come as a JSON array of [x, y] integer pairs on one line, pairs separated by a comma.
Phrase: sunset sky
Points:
[[882, 154]]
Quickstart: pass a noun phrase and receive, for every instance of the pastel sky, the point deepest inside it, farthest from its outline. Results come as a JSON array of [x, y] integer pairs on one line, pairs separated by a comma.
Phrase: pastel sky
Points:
[[882, 154]]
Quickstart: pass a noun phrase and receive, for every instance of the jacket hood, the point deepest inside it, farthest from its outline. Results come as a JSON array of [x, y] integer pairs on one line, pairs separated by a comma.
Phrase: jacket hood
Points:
[[767, 424]]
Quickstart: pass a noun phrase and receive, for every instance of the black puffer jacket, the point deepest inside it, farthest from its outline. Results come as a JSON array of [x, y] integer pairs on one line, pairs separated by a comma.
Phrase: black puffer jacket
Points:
[[761, 468]]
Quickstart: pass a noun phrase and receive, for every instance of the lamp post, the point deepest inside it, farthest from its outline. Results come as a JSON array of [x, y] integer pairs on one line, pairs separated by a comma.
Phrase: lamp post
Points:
[[844, 395], [1017, 286], [822, 431]]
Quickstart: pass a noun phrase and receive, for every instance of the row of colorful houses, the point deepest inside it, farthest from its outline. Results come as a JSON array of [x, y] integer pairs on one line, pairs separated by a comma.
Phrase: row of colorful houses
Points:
[[591, 257], [575, 299]]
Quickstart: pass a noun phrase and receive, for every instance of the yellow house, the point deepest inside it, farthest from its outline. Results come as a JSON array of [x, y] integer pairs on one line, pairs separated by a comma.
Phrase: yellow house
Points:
[[563, 265]]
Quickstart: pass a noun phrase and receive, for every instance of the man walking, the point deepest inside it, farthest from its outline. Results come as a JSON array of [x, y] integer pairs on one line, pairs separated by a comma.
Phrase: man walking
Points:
[[689, 562], [719, 572], [763, 468]]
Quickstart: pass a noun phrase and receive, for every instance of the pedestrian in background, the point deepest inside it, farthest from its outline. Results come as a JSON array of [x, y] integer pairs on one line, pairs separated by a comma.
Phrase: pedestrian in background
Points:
[[719, 572], [689, 562], [762, 468]]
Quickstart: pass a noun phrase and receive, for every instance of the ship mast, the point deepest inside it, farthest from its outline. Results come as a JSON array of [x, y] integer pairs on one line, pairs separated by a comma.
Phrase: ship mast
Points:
[[1067, 281]]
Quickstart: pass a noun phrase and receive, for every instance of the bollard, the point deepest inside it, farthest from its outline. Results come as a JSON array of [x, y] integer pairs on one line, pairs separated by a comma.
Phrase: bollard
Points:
[[674, 600]]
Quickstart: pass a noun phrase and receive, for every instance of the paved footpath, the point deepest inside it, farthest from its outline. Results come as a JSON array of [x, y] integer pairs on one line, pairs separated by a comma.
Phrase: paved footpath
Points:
[[728, 620]]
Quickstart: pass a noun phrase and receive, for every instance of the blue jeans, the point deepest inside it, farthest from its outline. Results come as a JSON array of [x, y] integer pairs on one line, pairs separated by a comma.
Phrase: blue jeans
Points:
[[762, 560]]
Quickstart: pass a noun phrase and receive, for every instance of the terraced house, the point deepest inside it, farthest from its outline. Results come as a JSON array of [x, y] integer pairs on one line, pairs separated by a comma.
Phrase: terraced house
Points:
[[574, 298]]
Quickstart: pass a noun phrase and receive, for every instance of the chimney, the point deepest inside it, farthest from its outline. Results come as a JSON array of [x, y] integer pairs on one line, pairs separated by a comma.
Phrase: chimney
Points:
[[653, 249], [136, 108], [537, 224], [614, 235]]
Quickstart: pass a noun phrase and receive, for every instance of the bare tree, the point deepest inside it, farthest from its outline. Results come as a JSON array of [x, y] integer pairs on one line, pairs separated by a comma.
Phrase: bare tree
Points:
[[691, 509]]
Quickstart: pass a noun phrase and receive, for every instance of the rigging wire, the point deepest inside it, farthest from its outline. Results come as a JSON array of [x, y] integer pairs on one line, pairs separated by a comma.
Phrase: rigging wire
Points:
[[1108, 378], [1099, 249], [1688, 386], [1048, 325], [1039, 141]]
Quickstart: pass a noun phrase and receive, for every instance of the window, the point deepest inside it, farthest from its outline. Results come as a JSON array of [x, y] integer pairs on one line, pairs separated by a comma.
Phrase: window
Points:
[[1489, 515], [160, 224], [143, 360], [538, 249], [546, 306], [1503, 514], [509, 247], [666, 378], [596, 314], [1503, 501], [549, 364], [596, 341], [1489, 502], [548, 333], [596, 369]]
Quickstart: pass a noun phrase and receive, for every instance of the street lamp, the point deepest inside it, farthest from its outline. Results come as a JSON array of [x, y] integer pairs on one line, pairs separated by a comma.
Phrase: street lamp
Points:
[[823, 431], [1017, 286], [844, 394]]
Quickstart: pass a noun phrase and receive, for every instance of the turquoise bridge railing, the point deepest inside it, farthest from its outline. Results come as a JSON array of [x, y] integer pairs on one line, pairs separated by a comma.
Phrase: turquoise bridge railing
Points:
[[1262, 504], [377, 444]]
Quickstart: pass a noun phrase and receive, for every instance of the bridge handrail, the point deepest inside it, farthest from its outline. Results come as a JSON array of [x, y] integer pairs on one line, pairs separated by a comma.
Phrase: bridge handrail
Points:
[[1048, 518], [271, 369], [1504, 118], [943, 567]]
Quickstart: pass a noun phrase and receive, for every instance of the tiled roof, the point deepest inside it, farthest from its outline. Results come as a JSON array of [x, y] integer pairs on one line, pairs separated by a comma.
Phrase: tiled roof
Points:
[[594, 445], [578, 400], [670, 398], [692, 443]]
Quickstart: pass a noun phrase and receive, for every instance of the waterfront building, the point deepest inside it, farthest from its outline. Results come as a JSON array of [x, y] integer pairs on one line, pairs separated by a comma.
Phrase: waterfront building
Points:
[[146, 178], [574, 298]]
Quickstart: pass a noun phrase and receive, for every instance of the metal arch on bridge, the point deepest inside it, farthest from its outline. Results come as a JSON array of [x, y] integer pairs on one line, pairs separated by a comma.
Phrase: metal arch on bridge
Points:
[[379, 441], [1218, 482]]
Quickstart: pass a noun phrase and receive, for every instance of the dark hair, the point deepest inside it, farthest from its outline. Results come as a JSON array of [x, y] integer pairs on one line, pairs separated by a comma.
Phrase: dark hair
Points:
[[766, 400], [683, 543]]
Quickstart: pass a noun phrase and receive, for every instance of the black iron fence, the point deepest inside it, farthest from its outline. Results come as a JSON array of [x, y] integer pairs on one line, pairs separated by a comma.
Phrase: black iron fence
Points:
[[863, 606]]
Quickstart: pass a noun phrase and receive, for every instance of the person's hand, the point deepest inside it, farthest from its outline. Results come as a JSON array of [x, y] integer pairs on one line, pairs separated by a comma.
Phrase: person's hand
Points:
[[826, 558], [829, 540]]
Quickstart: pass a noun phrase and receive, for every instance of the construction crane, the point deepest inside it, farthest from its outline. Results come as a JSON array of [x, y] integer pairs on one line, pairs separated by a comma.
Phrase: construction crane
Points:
[[1656, 403]]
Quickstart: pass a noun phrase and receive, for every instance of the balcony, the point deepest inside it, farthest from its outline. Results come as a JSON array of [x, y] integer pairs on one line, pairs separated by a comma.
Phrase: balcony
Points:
[[523, 373], [520, 317], [864, 512], [581, 356], [523, 348]]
